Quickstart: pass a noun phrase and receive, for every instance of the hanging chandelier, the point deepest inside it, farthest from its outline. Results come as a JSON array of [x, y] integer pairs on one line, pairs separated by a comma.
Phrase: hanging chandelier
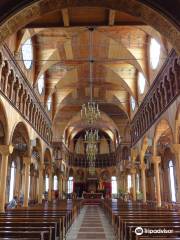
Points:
[[91, 151], [91, 138], [90, 113]]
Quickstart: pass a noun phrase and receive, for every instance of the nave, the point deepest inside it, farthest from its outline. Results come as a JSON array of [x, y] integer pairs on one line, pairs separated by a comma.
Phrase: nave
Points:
[[89, 119], [91, 224]]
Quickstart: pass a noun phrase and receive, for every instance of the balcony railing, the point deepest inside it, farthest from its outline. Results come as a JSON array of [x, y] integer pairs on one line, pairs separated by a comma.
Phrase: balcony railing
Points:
[[163, 92], [80, 160], [102, 160], [15, 87]]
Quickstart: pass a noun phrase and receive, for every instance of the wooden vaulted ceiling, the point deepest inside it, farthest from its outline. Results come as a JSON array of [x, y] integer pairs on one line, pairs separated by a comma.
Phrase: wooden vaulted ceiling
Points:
[[119, 50]]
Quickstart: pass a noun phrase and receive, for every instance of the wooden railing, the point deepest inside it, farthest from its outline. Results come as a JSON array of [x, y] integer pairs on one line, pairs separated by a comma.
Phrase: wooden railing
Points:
[[80, 160], [163, 92], [102, 160], [15, 87]]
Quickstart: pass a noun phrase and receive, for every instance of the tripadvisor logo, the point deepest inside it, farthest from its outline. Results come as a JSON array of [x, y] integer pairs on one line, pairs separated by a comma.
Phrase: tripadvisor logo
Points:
[[139, 231]]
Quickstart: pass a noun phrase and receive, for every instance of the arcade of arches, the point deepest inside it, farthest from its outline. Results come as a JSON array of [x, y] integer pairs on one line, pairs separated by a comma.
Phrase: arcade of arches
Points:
[[56, 56]]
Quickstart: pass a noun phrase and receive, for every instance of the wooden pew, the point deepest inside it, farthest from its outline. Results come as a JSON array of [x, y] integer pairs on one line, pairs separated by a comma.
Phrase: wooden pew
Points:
[[52, 227], [126, 216], [53, 218], [50, 230], [42, 235], [159, 238]]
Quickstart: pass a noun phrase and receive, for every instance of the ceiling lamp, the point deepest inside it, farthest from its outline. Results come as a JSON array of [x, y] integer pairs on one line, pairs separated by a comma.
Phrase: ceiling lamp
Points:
[[91, 138], [91, 151], [90, 112]]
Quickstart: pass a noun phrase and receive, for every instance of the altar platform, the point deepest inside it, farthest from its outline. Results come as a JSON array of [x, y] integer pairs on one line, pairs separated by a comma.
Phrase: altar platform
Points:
[[92, 198]]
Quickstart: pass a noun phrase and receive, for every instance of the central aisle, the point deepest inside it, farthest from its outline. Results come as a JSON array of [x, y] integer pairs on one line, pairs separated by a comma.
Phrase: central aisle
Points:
[[91, 224]]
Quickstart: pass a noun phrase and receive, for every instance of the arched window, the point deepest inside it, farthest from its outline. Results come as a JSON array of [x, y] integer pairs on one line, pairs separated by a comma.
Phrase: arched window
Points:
[[114, 184], [12, 177], [141, 82], [129, 184], [70, 185], [27, 53], [55, 183], [46, 183], [155, 50], [49, 101], [172, 181], [40, 84], [133, 103]]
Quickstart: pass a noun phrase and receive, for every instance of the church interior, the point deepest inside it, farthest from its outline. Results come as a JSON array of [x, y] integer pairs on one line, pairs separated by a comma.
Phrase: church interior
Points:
[[90, 119]]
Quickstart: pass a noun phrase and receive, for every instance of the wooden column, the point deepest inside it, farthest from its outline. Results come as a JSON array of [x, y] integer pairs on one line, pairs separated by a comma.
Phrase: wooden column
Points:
[[41, 183], [143, 175], [32, 186], [133, 176], [5, 150], [156, 161], [60, 186], [50, 184], [17, 183], [143, 181], [27, 162], [133, 172], [176, 150], [6, 82], [22, 181]]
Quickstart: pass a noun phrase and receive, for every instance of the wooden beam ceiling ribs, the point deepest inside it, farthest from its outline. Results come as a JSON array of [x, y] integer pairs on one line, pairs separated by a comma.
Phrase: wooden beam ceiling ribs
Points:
[[65, 16], [112, 14], [56, 25]]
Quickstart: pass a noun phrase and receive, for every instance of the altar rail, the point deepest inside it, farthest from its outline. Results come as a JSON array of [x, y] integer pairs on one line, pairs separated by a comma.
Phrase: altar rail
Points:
[[162, 93]]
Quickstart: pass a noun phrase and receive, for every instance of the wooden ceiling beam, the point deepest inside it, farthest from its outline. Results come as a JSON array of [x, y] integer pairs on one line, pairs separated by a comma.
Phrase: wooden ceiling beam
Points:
[[112, 14], [56, 25], [65, 16]]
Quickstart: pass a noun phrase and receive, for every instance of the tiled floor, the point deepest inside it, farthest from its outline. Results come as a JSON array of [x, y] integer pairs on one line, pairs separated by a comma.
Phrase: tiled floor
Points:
[[91, 224]]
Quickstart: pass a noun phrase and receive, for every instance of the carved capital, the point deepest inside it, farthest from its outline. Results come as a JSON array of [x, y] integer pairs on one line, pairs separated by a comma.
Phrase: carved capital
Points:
[[27, 161], [50, 170], [156, 159], [41, 167], [6, 149], [143, 166], [133, 170]]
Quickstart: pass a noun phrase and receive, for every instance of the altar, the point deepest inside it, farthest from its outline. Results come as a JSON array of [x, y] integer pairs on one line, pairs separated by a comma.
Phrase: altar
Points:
[[92, 198], [92, 195]]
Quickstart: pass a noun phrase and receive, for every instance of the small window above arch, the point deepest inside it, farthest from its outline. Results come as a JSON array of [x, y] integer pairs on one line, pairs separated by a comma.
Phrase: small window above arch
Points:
[[40, 84], [141, 82], [27, 53], [171, 163], [133, 103], [49, 103], [154, 51]]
